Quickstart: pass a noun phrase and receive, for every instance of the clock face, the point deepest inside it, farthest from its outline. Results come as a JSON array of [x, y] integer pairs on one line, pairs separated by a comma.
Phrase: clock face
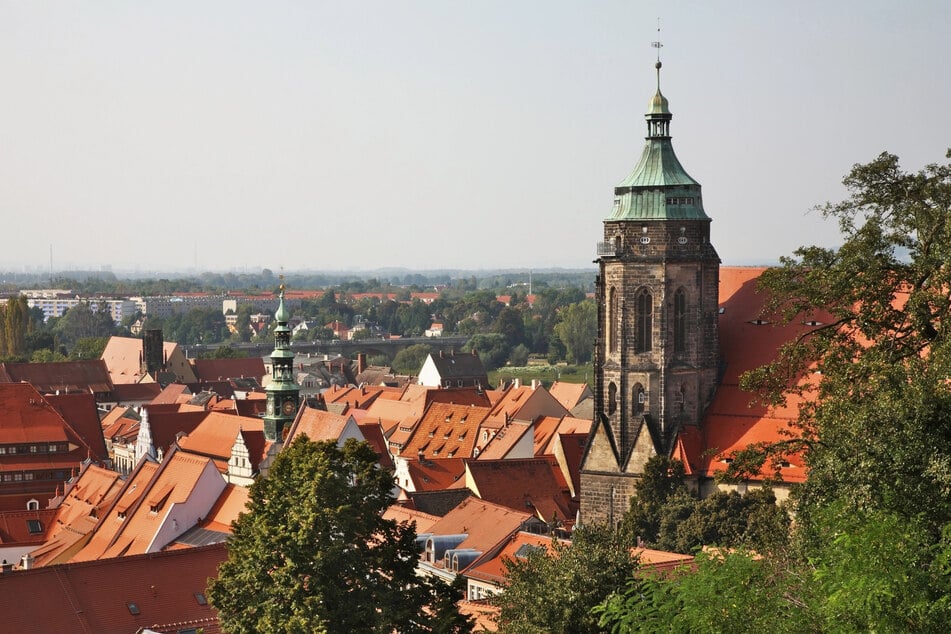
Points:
[[288, 408]]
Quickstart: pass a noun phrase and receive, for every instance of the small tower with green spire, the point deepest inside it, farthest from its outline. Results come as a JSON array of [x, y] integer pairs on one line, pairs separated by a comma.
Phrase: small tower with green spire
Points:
[[283, 394]]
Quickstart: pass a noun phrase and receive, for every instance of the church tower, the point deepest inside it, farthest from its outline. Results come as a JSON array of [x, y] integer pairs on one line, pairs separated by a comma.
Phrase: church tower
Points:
[[283, 394], [657, 348]]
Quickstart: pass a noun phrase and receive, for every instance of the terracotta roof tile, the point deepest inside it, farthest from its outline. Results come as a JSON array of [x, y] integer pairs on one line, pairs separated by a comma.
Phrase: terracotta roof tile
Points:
[[485, 524], [215, 435], [437, 474], [451, 430], [528, 485], [570, 394], [95, 596]]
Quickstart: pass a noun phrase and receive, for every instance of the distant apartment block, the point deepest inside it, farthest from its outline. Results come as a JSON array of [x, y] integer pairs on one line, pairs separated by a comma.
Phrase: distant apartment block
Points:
[[55, 302]]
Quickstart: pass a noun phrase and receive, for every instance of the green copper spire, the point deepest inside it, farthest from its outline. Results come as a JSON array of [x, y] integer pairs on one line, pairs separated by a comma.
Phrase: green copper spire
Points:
[[283, 393], [659, 188], [282, 316]]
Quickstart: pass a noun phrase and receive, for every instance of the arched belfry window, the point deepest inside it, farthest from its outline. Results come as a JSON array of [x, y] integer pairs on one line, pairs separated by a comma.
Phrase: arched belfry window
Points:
[[680, 320], [614, 319], [638, 399], [612, 398], [643, 321]]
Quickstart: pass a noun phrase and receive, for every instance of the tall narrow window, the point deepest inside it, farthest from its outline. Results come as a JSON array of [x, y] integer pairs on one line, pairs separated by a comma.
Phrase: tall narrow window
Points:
[[613, 320], [680, 320], [643, 321], [612, 398]]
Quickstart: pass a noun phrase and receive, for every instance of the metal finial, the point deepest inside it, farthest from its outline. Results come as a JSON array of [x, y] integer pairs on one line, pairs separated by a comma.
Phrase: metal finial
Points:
[[658, 45]]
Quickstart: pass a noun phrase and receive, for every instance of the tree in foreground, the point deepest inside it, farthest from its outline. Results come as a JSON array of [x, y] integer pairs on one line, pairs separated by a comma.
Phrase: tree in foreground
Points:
[[314, 554], [552, 592], [879, 434]]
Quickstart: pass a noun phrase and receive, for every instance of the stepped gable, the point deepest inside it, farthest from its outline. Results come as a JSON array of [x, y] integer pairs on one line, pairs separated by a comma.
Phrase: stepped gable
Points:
[[167, 425], [215, 436]]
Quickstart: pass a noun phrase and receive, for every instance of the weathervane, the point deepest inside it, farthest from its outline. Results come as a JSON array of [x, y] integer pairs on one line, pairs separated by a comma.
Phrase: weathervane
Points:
[[658, 45]]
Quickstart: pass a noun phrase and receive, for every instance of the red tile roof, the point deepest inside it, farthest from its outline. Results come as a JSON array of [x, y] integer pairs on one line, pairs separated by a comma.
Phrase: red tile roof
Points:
[[491, 567], [437, 475], [215, 435], [96, 596], [731, 422], [570, 394], [485, 524], [136, 392], [166, 425], [528, 485], [318, 425], [132, 525], [220, 369], [399, 513], [82, 414], [446, 431], [547, 429], [64, 377]]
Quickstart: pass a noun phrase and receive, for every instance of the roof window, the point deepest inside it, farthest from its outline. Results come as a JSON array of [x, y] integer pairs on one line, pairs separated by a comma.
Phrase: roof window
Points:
[[133, 609], [34, 526], [759, 322], [200, 598]]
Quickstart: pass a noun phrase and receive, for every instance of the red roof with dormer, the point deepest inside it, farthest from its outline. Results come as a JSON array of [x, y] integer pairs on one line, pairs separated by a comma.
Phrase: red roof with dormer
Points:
[[732, 421], [446, 430]]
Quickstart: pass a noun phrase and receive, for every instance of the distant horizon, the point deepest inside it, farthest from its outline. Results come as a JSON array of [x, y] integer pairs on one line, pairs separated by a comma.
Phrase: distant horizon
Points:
[[369, 273]]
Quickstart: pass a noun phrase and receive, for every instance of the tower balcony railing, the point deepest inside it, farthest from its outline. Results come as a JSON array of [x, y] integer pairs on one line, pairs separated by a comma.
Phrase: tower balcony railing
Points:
[[606, 248]]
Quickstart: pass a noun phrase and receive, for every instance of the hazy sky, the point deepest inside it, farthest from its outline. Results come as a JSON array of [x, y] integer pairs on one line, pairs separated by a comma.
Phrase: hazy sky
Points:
[[444, 134]]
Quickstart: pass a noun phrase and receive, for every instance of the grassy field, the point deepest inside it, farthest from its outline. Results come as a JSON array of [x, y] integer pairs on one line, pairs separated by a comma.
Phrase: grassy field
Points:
[[547, 374]]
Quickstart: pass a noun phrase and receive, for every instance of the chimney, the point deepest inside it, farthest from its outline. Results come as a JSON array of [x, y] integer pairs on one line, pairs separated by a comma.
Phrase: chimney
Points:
[[536, 384], [26, 562], [361, 362]]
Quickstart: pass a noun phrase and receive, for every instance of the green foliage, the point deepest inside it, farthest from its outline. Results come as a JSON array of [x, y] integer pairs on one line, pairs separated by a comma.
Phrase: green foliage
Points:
[[555, 592], [734, 592], [878, 571], [88, 348], [223, 352], [80, 322], [315, 554], [410, 360], [15, 325], [509, 325], [519, 355], [492, 349], [577, 328], [664, 515]]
